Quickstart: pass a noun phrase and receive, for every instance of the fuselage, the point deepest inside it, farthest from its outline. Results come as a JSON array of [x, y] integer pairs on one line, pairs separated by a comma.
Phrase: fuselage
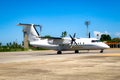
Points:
[[64, 44]]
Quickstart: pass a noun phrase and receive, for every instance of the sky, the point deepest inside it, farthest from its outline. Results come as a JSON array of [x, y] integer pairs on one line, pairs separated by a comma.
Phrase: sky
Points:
[[57, 16]]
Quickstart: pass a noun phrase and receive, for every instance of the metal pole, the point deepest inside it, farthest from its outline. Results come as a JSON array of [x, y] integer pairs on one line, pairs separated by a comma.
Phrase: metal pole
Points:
[[87, 23]]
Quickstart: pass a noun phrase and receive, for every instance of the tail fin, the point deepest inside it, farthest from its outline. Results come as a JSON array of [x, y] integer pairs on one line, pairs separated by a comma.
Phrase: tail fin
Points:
[[31, 31]]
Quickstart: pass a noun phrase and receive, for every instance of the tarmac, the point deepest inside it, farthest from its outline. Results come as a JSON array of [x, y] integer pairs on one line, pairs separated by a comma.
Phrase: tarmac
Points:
[[47, 65]]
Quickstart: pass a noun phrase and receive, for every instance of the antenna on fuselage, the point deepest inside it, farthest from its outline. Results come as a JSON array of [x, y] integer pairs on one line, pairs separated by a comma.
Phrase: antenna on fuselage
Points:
[[89, 35]]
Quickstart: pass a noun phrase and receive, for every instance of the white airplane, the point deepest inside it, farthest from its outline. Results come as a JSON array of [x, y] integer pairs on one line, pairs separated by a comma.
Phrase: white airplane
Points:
[[62, 44]]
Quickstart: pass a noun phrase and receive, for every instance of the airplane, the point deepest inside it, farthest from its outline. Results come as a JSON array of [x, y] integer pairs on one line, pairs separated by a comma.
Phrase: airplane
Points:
[[62, 44]]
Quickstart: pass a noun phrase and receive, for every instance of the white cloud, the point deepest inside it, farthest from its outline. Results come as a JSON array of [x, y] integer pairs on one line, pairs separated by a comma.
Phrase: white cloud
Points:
[[117, 34], [98, 34], [106, 32]]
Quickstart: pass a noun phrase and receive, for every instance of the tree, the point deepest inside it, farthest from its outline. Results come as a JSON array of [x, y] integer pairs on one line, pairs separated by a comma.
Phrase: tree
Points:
[[0, 44], [64, 34], [105, 37], [47, 36], [116, 40]]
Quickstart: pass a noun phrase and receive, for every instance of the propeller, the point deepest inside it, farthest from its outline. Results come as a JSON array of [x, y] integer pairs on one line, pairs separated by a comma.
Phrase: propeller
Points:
[[73, 39]]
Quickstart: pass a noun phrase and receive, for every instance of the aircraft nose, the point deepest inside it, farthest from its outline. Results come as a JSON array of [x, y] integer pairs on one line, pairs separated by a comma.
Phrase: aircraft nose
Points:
[[106, 46]]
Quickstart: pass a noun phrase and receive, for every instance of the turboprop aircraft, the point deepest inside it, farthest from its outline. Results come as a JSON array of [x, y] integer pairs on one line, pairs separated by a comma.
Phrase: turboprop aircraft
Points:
[[62, 44]]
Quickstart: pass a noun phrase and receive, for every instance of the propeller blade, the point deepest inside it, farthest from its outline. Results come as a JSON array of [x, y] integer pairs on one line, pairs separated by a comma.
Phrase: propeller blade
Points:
[[73, 39], [74, 35], [70, 36], [75, 42], [71, 42]]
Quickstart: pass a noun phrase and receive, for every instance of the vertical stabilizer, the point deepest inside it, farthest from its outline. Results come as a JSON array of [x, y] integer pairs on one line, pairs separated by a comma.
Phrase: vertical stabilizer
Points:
[[31, 31]]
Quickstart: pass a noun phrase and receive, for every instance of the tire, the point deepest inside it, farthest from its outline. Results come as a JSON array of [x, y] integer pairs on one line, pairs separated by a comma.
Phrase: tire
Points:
[[101, 51], [76, 51], [59, 52]]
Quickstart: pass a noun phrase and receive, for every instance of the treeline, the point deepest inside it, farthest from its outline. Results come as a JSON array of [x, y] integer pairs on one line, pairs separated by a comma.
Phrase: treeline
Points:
[[112, 42], [12, 46], [106, 37]]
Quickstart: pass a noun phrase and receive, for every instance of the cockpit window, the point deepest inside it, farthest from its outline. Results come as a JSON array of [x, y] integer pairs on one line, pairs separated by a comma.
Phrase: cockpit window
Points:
[[95, 41]]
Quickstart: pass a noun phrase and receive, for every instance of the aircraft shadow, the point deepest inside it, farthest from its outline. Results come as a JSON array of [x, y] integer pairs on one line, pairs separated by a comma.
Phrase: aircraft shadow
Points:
[[68, 53]]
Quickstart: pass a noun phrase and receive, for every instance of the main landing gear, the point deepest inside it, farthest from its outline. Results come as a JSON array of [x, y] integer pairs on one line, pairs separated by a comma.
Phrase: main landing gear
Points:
[[101, 51], [59, 52], [76, 51]]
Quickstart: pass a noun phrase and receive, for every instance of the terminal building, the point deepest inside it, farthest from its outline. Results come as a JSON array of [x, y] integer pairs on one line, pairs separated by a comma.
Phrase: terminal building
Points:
[[113, 44]]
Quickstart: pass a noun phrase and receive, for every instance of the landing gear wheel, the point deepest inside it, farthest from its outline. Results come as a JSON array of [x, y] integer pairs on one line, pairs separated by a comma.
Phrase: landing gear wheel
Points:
[[101, 51], [59, 52], [76, 51]]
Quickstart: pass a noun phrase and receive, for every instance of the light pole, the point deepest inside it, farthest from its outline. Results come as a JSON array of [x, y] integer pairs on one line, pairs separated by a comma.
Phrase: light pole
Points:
[[87, 23]]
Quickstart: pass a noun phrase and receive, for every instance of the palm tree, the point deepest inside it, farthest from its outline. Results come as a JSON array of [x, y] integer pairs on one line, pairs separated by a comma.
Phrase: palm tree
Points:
[[64, 34]]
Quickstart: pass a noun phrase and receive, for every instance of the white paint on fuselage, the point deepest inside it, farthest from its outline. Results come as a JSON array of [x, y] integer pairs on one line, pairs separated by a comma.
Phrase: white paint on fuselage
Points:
[[82, 44]]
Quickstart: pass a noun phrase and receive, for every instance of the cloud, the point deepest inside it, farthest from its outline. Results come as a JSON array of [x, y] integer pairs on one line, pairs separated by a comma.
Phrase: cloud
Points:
[[117, 34], [98, 34], [106, 32]]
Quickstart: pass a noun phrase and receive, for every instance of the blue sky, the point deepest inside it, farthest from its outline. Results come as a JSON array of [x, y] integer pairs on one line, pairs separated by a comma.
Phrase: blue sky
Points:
[[57, 16]]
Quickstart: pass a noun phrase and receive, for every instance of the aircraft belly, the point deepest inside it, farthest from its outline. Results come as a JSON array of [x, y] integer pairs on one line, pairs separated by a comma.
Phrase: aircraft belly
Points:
[[79, 47], [53, 47], [46, 46]]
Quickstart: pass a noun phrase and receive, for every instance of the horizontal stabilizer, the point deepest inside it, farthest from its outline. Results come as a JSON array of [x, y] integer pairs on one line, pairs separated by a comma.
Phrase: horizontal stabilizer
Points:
[[23, 24]]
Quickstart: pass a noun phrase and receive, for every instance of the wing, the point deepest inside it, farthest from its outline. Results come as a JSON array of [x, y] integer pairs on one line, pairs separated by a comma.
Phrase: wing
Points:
[[60, 41], [53, 40], [51, 37], [57, 40]]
